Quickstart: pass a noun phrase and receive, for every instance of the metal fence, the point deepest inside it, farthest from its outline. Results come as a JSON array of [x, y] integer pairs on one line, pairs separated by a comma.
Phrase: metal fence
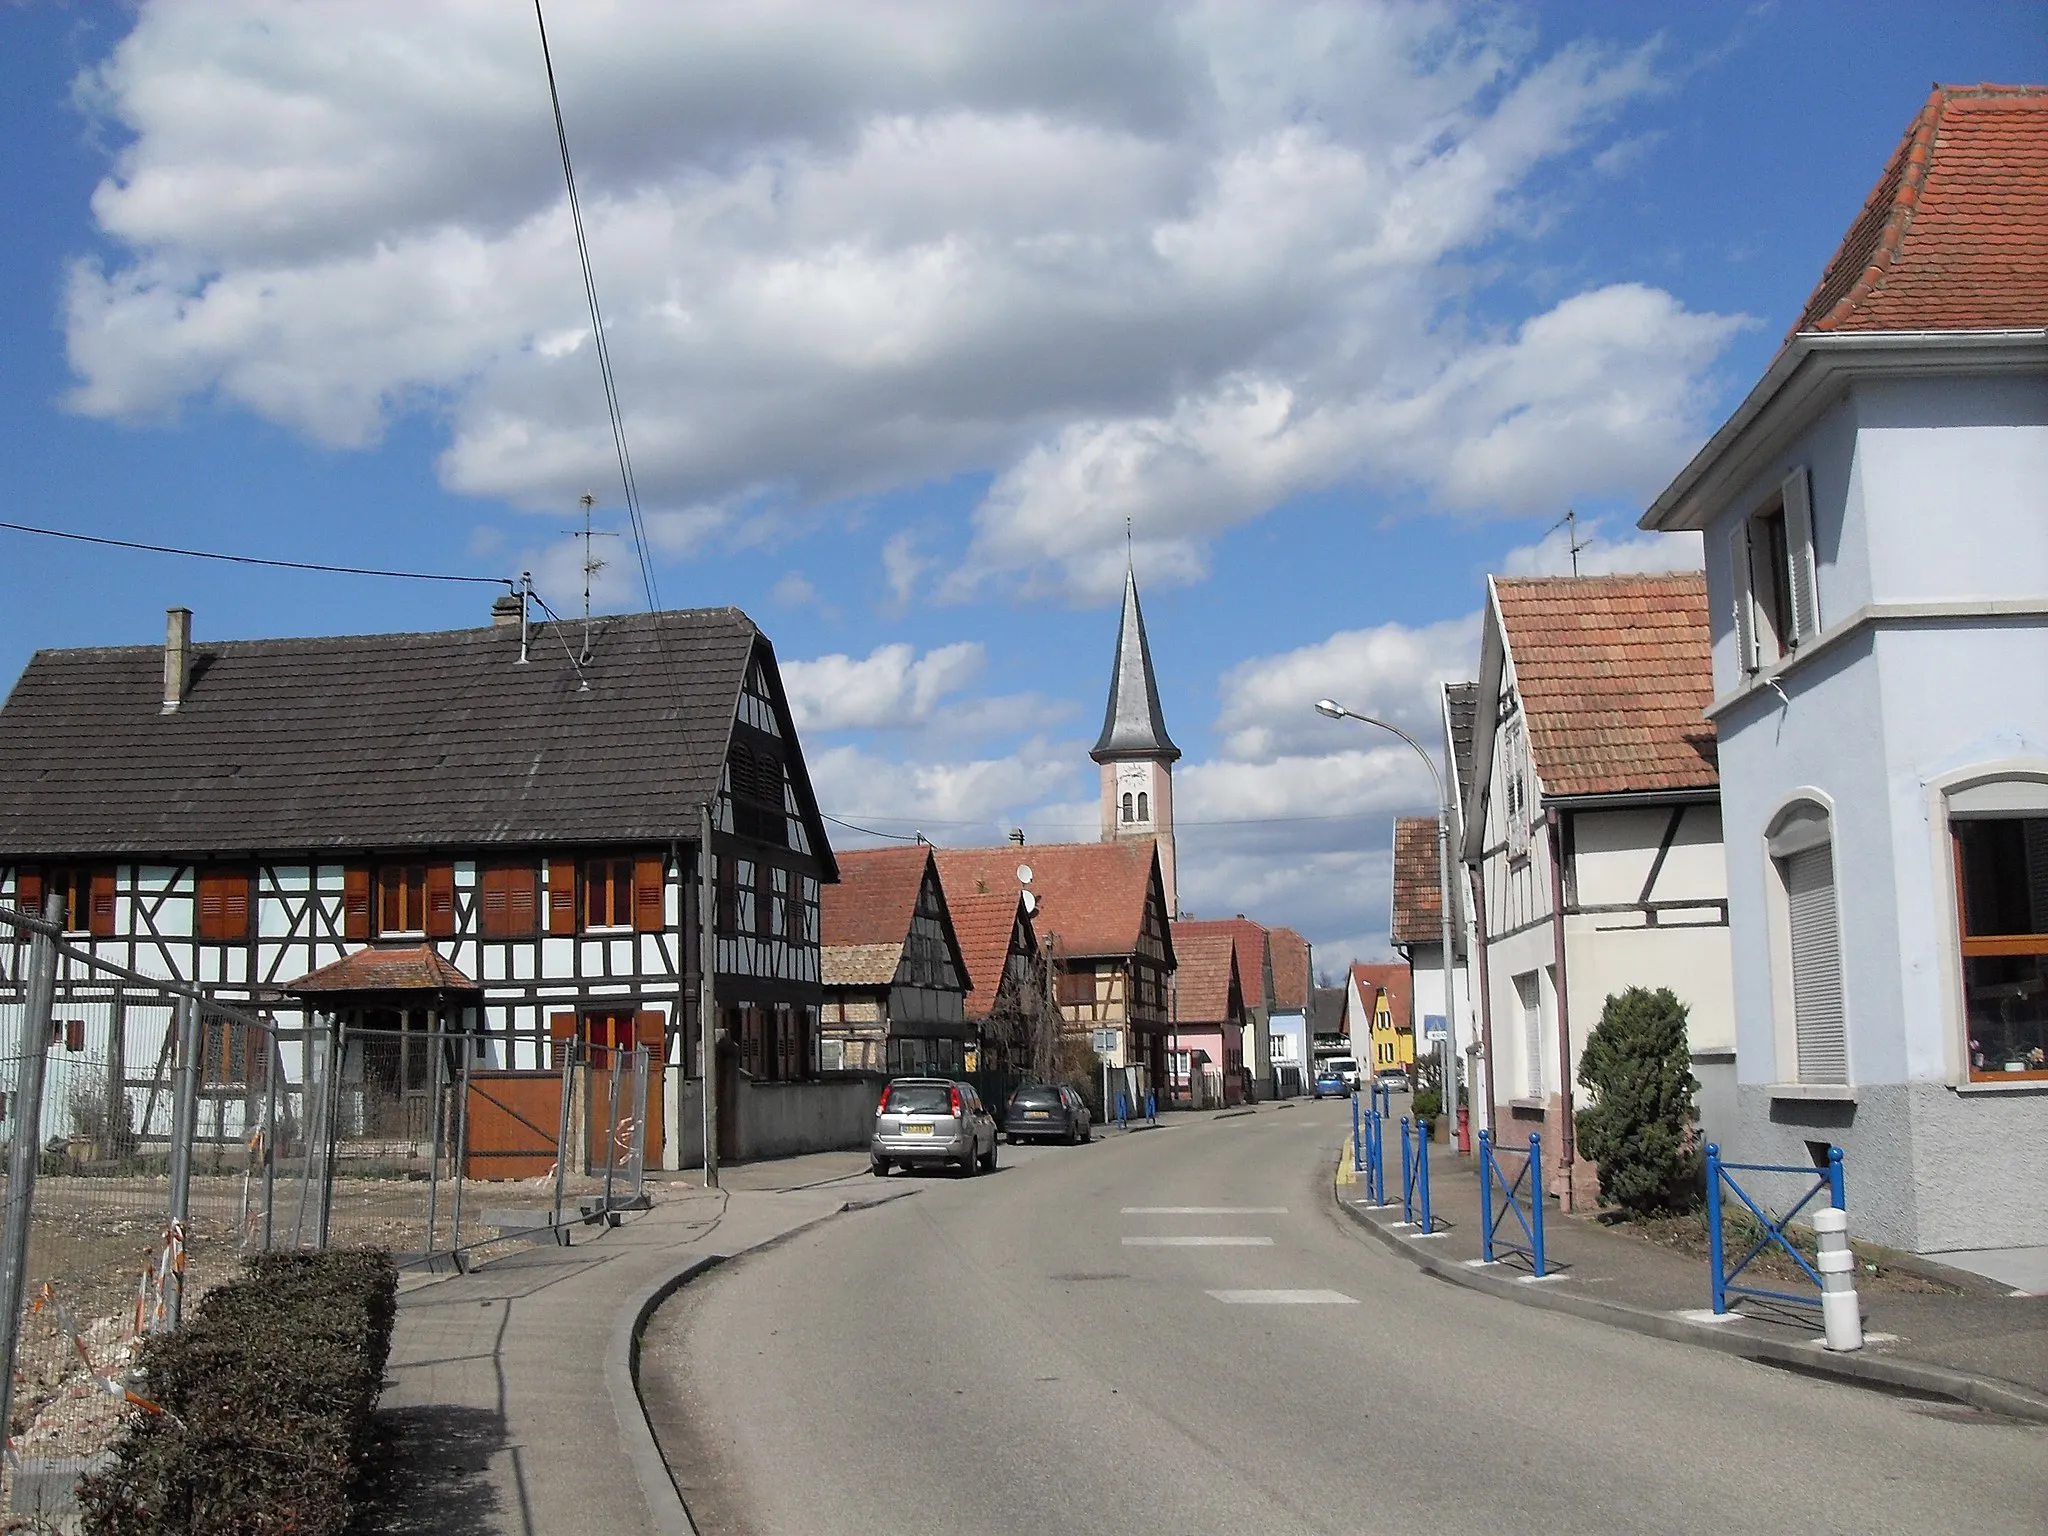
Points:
[[155, 1135]]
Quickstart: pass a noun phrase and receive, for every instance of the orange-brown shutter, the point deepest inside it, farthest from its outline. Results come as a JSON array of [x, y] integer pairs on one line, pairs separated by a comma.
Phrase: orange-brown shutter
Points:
[[355, 902], [522, 902], [561, 896], [100, 920], [648, 1030], [650, 876], [441, 901], [561, 1030], [238, 903], [28, 889]]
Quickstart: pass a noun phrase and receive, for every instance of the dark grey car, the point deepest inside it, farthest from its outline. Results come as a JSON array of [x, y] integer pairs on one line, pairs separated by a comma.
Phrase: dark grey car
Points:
[[1041, 1111], [932, 1120]]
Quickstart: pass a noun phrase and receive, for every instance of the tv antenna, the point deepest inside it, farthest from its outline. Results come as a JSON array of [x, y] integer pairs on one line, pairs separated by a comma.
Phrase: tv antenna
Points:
[[1570, 523], [591, 564]]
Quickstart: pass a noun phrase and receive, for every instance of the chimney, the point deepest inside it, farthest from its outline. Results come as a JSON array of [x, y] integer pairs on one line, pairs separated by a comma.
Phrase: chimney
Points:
[[506, 610], [177, 657], [1017, 836]]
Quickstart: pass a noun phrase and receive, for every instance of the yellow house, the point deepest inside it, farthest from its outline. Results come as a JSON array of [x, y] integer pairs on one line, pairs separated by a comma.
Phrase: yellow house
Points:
[[1379, 1018]]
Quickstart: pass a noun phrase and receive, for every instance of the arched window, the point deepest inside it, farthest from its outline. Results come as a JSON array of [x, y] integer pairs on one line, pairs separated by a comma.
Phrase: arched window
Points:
[[1127, 807], [1801, 844], [1999, 831], [1144, 806]]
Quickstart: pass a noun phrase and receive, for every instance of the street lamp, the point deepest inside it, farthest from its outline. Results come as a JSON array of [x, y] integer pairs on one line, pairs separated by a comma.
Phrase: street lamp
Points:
[[1447, 1075]]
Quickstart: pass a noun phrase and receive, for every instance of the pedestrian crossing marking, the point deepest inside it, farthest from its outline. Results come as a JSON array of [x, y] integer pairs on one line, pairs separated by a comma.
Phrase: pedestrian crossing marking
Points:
[[1285, 1298], [1198, 1242]]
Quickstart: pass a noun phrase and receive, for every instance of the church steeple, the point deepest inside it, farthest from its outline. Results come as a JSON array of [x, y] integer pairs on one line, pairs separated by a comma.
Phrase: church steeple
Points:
[[1132, 726], [1136, 754]]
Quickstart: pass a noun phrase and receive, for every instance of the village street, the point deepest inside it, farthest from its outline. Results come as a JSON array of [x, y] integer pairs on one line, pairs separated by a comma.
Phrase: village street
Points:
[[1021, 1352]]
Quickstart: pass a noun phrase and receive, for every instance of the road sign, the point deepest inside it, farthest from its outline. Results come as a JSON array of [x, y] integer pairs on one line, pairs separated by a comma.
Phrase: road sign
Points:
[[1433, 1027]]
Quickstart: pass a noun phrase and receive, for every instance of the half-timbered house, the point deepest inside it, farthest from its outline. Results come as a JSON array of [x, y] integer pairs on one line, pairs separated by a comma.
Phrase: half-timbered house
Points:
[[894, 981], [524, 813], [1009, 1004], [1205, 1066]]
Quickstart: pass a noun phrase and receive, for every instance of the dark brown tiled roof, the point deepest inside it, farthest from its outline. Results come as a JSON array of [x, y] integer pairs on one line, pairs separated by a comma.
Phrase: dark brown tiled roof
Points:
[[414, 969], [1418, 906], [1614, 674], [1291, 979], [1203, 979], [986, 925], [379, 741], [1091, 896], [1955, 235], [1395, 981], [1250, 941], [1461, 706]]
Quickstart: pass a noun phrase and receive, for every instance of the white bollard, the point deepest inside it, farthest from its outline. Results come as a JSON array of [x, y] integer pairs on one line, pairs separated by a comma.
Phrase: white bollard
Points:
[[1841, 1317]]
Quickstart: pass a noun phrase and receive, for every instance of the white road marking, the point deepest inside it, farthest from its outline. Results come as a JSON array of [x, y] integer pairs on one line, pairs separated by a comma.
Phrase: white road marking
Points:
[[1286, 1298], [1205, 1210], [1198, 1242]]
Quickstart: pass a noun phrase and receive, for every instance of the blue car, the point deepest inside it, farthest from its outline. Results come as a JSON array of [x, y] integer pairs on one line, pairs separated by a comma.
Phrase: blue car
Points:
[[1331, 1081]]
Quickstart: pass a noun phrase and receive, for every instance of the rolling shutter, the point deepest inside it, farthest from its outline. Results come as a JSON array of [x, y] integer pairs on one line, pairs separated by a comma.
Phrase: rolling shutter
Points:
[[1742, 597], [440, 901], [1798, 493], [355, 902], [561, 896], [650, 878], [100, 916], [1530, 996], [1818, 1017]]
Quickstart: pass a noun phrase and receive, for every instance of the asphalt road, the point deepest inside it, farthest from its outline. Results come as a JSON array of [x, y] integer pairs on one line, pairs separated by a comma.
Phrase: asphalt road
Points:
[[1044, 1351]]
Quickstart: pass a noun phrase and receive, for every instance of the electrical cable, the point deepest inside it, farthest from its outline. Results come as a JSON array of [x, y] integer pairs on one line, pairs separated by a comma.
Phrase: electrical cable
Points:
[[876, 831], [286, 565]]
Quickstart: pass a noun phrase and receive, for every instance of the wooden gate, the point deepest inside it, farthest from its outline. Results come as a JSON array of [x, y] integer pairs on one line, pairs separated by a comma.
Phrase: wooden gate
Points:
[[514, 1118]]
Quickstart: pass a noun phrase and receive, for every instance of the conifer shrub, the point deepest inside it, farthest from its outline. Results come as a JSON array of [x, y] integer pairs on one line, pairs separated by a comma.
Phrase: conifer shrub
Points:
[[266, 1392], [1640, 1127]]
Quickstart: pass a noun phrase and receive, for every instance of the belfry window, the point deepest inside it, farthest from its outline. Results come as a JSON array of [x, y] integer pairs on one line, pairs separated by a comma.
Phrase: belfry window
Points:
[[1144, 806], [1127, 806]]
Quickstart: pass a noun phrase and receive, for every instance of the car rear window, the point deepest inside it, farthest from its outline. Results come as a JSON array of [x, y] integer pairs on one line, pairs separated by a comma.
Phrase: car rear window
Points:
[[919, 1099], [1037, 1098]]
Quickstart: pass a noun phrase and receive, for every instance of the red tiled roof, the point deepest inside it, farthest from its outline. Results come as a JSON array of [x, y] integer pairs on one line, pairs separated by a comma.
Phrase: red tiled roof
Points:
[[1207, 956], [1955, 235], [985, 925], [1418, 907], [875, 899], [1614, 674], [1250, 940], [414, 969], [1395, 981], [1091, 896], [1291, 978]]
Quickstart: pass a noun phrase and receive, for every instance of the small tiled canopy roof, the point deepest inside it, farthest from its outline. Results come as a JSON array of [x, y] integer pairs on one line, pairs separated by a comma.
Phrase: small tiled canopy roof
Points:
[[986, 924], [1392, 979], [414, 969], [1614, 673], [1955, 235], [1249, 939], [1090, 896], [1207, 967], [1291, 979], [1418, 907]]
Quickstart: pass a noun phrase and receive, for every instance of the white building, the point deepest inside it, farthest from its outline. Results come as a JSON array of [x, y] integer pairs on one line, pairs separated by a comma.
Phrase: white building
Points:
[[1876, 525], [1595, 824]]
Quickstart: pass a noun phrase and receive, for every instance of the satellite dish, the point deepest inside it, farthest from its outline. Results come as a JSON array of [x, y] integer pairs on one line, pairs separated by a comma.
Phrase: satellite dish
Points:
[[1030, 903], [1023, 874]]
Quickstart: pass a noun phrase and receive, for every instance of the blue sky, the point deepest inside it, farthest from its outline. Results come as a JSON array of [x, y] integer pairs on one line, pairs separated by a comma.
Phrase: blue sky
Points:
[[1341, 306]]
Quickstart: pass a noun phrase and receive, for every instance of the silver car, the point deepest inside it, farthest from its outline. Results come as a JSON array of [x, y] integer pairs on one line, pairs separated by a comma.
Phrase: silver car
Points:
[[932, 1120]]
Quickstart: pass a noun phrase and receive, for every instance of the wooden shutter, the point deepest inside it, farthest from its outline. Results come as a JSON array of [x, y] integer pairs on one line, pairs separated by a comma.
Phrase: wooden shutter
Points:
[[725, 902], [1742, 597], [28, 889], [1798, 492], [224, 904], [561, 1030], [355, 902], [100, 913], [441, 901], [1819, 1022], [511, 902], [650, 877], [561, 896]]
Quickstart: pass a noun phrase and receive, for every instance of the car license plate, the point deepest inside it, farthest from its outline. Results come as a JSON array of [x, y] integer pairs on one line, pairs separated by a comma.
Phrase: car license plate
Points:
[[1037, 1114], [917, 1130]]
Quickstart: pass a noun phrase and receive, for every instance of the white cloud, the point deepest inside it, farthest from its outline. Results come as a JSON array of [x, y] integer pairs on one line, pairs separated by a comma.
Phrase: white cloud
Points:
[[794, 590], [964, 801], [1175, 265], [890, 688], [1600, 555]]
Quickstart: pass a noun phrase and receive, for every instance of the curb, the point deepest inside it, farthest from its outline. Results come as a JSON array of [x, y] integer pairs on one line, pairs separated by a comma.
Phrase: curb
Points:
[[671, 1516], [1985, 1393]]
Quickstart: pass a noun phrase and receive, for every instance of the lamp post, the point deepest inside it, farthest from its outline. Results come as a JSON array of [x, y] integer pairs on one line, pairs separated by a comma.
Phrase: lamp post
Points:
[[1447, 1076]]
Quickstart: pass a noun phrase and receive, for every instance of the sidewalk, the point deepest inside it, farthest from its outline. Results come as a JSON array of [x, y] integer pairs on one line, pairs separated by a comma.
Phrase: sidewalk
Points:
[[509, 1404], [1927, 1330]]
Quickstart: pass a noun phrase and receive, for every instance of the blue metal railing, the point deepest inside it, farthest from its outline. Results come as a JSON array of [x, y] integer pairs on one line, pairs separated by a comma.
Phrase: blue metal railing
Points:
[[1520, 1197], [1415, 1174], [1826, 1180]]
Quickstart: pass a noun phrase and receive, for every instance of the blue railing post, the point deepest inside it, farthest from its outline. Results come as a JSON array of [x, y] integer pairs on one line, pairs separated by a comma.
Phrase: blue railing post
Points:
[[1835, 1197], [1486, 1195], [1407, 1175], [1536, 1200], [1715, 1260], [1357, 1139], [1428, 1225]]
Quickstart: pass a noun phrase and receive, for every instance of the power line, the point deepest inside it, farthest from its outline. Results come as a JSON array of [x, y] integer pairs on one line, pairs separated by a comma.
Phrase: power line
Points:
[[870, 831], [1228, 821], [286, 565]]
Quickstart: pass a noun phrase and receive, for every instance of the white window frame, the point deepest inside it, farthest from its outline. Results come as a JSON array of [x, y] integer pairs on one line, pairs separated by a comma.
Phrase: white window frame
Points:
[[1799, 579]]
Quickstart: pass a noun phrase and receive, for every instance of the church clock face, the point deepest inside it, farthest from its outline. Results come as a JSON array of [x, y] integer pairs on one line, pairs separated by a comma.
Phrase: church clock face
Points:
[[1134, 794]]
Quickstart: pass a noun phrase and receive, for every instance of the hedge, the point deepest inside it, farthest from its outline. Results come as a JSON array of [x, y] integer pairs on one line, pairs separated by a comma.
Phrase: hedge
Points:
[[267, 1393]]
